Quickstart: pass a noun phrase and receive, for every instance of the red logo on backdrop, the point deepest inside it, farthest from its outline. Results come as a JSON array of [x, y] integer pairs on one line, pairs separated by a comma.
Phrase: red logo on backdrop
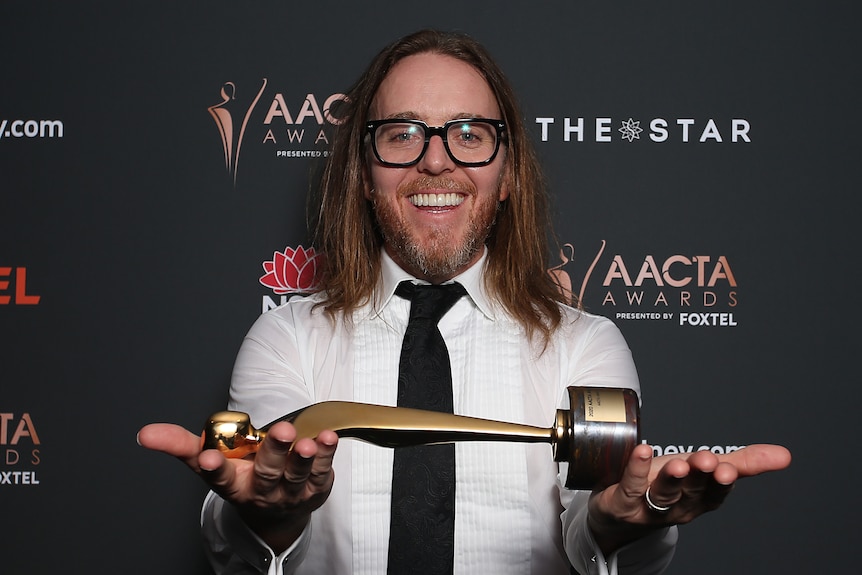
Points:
[[13, 287], [292, 271]]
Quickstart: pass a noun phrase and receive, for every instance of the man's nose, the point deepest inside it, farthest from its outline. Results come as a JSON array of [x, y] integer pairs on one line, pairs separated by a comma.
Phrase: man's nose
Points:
[[436, 158]]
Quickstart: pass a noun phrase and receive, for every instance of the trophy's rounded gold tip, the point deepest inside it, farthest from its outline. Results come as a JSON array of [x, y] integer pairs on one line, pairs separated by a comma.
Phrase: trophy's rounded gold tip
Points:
[[229, 431], [227, 417]]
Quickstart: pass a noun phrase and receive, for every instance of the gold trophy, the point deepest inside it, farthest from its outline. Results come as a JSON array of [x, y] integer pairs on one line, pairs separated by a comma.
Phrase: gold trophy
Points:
[[595, 435]]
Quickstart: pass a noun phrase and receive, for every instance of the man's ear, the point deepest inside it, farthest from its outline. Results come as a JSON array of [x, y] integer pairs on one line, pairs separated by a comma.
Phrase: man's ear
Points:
[[367, 184], [505, 183]]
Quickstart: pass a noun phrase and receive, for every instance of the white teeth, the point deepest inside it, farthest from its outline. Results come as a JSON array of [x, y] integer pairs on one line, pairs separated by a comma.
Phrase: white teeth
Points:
[[436, 200]]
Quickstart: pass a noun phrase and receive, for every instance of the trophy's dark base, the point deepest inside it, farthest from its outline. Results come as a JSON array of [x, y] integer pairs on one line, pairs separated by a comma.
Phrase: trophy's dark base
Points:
[[599, 450]]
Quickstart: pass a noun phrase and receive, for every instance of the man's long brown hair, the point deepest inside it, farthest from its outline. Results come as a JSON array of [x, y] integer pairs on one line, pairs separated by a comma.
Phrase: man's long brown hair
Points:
[[344, 228]]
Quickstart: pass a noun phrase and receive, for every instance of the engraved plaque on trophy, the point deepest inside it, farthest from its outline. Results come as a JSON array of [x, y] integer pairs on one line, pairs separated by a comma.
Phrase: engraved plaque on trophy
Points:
[[595, 435]]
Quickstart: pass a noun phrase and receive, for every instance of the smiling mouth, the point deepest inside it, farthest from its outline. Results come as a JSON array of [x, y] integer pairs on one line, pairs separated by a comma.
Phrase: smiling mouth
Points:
[[436, 200]]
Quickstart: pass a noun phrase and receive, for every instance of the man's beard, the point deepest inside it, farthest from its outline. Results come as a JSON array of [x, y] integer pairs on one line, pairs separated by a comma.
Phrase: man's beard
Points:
[[436, 257]]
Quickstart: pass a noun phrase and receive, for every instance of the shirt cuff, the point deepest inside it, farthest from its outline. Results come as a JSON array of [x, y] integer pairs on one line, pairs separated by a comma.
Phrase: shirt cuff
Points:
[[232, 547], [648, 555]]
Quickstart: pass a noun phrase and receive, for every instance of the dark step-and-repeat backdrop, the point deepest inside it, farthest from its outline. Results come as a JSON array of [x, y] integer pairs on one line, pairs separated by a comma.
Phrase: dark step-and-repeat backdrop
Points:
[[154, 164]]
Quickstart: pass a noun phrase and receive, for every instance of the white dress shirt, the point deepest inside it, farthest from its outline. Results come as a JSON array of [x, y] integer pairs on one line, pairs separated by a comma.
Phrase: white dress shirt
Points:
[[512, 514]]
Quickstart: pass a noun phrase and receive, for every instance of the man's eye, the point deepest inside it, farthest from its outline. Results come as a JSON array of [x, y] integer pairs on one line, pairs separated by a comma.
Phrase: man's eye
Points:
[[469, 136], [403, 135]]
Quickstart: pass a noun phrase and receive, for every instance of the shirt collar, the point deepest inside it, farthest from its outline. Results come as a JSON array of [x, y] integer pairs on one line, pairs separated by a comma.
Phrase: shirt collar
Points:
[[472, 279]]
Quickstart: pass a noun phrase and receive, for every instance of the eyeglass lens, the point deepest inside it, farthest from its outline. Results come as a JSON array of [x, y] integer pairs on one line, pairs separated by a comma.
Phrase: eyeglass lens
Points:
[[402, 143]]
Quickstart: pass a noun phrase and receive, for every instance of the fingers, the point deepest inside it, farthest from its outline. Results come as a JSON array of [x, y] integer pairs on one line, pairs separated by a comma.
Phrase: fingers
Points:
[[642, 473], [618, 514], [321, 475], [173, 440], [274, 461], [666, 489], [220, 474], [624, 501], [286, 479], [308, 467], [758, 458], [282, 473], [635, 477], [712, 477], [705, 486], [702, 481], [186, 446]]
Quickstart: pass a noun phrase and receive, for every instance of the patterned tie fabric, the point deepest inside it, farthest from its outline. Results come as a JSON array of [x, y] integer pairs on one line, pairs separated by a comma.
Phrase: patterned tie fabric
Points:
[[422, 528]]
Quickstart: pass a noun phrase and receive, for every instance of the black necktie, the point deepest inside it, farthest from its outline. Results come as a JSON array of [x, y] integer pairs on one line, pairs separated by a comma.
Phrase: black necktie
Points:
[[422, 527]]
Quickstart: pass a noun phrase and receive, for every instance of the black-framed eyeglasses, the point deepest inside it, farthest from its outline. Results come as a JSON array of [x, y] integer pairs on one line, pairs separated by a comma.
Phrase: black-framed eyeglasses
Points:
[[470, 142]]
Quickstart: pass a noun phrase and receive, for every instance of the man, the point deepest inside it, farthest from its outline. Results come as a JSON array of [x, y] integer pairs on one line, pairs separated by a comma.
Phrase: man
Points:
[[432, 179]]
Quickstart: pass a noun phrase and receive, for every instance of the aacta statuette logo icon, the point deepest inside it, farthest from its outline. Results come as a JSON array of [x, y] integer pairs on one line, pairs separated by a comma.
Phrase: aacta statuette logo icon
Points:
[[563, 278], [231, 135], [292, 271]]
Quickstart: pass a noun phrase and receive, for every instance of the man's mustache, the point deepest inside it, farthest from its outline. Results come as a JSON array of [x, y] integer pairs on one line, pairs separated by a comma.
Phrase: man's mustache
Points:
[[425, 183]]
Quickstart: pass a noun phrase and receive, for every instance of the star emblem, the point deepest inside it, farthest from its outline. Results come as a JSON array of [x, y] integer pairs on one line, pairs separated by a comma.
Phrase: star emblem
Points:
[[631, 130]]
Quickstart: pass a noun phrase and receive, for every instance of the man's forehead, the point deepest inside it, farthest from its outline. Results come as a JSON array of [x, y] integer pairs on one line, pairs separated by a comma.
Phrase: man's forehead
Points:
[[436, 88]]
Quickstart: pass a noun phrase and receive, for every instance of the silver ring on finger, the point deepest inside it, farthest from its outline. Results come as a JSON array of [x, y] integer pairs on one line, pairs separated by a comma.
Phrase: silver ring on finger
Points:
[[653, 507]]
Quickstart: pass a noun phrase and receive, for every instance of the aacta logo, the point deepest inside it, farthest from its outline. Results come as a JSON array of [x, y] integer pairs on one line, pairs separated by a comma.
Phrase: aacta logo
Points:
[[13, 287], [289, 272], [691, 290], [19, 443], [294, 122]]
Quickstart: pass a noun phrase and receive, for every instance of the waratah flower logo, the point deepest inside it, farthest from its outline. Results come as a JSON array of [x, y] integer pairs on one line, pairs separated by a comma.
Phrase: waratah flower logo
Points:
[[294, 270]]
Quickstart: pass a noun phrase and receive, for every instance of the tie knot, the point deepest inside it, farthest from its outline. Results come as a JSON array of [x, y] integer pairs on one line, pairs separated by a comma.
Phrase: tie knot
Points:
[[430, 302]]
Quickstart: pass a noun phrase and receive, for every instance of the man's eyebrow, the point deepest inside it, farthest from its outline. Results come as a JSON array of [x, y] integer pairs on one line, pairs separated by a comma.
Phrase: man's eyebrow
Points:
[[402, 116], [414, 116]]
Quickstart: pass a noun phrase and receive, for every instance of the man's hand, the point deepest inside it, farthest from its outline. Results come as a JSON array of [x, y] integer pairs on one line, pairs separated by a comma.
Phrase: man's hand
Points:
[[275, 492], [687, 485]]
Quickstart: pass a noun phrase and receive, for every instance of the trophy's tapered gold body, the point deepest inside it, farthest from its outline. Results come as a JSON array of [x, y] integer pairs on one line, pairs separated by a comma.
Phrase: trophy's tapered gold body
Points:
[[595, 435]]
